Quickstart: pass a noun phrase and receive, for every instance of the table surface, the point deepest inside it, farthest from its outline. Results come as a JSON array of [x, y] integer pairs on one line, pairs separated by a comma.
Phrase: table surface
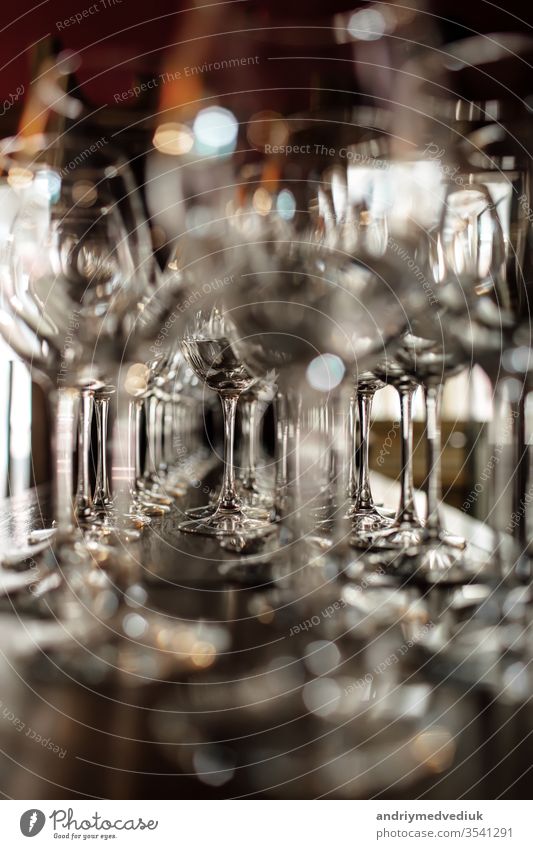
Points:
[[191, 674]]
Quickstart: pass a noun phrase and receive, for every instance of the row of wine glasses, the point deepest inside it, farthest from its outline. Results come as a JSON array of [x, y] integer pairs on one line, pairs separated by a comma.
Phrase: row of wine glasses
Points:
[[323, 265], [304, 285], [73, 274]]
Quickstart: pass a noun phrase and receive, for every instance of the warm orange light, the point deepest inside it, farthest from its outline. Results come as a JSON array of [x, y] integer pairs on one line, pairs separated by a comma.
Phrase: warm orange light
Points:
[[18, 178], [262, 201], [173, 139]]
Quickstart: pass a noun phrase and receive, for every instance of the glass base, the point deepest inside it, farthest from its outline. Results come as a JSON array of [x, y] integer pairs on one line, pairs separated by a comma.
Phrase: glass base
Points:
[[138, 519], [453, 540], [107, 527], [365, 524], [399, 536], [222, 523], [261, 514], [143, 505], [256, 500], [173, 483], [153, 493], [436, 562]]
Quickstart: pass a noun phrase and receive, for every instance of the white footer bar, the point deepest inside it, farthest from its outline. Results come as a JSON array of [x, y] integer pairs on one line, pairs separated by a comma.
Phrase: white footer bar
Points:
[[268, 824]]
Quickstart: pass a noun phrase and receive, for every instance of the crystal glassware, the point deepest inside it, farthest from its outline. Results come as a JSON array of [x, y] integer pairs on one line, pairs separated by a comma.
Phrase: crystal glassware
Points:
[[75, 275], [364, 516], [406, 529], [209, 351]]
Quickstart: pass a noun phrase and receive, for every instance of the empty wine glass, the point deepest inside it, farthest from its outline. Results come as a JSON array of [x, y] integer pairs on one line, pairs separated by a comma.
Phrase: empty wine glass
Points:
[[255, 485], [75, 278], [481, 262], [465, 248], [436, 555], [150, 482], [364, 516], [208, 348], [406, 529]]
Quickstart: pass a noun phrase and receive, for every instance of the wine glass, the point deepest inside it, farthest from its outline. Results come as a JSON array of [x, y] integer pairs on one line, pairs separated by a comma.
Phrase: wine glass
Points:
[[208, 348], [406, 529], [365, 517], [436, 555], [467, 247], [254, 483], [332, 275], [77, 270]]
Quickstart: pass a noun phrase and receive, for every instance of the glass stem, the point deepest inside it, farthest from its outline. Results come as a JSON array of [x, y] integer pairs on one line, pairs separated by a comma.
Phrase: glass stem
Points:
[[406, 510], [249, 433], [281, 428], [294, 431], [151, 448], [433, 393], [102, 493], [332, 426], [159, 435], [280, 412], [84, 503], [168, 440], [352, 449], [134, 447], [521, 474], [65, 404], [228, 496], [364, 499], [137, 422], [117, 487]]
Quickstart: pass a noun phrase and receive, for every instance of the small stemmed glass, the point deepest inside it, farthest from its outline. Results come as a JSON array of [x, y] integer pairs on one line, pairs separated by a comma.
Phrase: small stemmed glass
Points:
[[150, 482], [406, 530], [468, 252], [253, 404], [209, 351], [439, 556], [142, 508], [102, 497], [363, 514], [105, 522], [83, 507]]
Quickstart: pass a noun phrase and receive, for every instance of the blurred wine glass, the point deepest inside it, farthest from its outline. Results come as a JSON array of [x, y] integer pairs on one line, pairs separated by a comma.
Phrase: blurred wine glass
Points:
[[76, 272], [208, 348]]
